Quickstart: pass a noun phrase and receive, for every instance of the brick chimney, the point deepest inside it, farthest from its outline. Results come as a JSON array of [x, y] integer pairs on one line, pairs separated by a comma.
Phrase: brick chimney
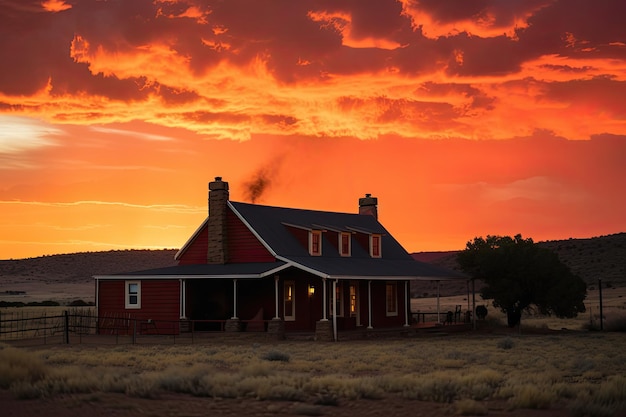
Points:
[[368, 205], [218, 198]]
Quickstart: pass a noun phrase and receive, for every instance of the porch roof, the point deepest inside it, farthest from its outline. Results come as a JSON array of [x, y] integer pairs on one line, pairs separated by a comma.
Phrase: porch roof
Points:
[[200, 271]]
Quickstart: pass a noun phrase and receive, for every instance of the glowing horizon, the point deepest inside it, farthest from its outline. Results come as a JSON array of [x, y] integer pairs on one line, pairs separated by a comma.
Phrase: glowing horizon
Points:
[[477, 119]]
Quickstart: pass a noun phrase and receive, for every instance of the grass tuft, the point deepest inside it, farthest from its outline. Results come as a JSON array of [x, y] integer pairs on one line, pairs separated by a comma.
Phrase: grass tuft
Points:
[[469, 407], [506, 343], [20, 366], [274, 355]]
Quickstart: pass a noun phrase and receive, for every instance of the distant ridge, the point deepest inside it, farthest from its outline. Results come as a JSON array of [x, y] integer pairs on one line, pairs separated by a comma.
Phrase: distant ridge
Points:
[[81, 267], [598, 257], [593, 258]]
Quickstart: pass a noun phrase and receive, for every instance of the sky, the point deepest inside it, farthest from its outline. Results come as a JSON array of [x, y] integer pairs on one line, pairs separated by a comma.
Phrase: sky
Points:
[[464, 118]]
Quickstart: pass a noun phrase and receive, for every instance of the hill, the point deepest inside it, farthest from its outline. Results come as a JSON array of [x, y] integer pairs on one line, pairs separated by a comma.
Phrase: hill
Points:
[[70, 276], [597, 257]]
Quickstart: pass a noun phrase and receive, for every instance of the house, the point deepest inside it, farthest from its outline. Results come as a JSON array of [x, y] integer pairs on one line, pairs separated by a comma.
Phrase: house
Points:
[[292, 270]]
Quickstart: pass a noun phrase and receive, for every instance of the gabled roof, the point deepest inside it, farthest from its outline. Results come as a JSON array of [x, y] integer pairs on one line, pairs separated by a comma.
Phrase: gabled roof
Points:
[[274, 228], [271, 226]]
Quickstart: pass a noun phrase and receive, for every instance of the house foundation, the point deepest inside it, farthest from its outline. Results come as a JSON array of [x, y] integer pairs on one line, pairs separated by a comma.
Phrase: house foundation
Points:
[[324, 331], [276, 328], [232, 325]]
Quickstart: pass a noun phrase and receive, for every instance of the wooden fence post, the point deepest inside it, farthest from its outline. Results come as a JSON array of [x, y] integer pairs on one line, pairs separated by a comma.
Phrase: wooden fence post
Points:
[[67, 328]]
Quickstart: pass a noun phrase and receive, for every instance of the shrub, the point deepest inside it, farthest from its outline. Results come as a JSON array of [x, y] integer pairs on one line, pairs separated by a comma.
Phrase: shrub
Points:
[[307, 410], [276, 356], [506, 343], [326, 398], [481, 312]]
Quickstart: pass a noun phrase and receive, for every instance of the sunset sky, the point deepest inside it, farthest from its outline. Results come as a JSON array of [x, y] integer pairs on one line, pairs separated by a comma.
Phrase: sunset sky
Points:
[[464, 118]]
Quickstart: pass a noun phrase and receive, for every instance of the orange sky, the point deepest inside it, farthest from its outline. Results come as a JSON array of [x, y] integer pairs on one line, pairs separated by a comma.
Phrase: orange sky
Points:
[[463, 118]]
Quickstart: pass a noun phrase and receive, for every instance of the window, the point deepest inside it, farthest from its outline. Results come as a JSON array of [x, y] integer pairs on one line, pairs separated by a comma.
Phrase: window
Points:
[[375, 249], [392, 298], [344, 244], [290, 301], [133, 294], [353, 298], [315, 242]]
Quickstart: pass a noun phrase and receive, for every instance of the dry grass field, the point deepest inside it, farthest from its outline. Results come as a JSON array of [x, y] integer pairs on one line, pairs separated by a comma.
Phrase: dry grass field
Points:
[[562, 373], [551, 367]]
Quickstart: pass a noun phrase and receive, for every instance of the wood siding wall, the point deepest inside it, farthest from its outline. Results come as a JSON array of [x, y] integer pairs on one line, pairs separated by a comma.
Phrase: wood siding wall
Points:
[[159, 303], [243, 246], [196, 253]]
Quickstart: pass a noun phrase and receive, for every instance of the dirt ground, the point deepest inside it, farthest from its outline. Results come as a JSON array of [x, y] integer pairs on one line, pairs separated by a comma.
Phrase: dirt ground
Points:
[[169, 405]]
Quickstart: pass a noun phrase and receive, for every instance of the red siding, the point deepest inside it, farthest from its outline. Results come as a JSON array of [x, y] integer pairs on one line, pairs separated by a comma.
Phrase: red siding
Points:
[[243, 246], [159, 303], [196, 253], [379, 305]]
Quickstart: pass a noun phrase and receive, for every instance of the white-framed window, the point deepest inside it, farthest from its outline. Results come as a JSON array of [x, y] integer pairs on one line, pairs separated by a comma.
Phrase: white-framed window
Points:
[[132, 294], [392, 298], [345, 244], [289, 301], [375, 246], [315, 242]]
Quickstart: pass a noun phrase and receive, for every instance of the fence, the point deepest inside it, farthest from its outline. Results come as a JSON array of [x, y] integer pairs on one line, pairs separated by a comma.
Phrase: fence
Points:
[[86, 327]]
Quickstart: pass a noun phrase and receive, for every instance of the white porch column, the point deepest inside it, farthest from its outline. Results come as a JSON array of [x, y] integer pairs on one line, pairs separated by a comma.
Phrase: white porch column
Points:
[[183, 298], [406, 304], [234, 317], [438, 320], [335, 310], [324, 295], [276, 278], [369, 305]]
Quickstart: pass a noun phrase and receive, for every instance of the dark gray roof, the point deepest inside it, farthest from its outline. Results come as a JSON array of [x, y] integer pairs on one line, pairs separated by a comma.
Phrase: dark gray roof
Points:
[[243, 270], [272, 225], [371, 268]]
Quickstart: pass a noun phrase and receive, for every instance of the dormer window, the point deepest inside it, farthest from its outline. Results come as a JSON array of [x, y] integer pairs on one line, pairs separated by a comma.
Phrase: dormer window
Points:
[[375, 243], [345, 244], [315, 242]]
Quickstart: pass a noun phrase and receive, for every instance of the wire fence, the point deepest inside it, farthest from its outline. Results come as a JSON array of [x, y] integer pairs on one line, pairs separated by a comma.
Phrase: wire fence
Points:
[[84, 326]]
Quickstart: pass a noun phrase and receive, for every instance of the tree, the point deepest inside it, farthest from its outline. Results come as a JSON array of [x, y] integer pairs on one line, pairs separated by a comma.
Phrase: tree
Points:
[[519, 275]]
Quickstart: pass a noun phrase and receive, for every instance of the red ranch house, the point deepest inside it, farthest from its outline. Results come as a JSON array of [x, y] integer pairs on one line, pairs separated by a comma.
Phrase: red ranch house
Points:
[[291, 270]]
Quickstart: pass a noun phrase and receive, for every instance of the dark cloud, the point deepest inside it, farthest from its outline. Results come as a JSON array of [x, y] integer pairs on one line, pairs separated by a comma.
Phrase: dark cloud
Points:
[[600, 94], [173, 96], [500, 13]]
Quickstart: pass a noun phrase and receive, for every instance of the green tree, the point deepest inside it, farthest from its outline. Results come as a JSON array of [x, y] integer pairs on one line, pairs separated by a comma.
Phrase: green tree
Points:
[[519, 275]]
